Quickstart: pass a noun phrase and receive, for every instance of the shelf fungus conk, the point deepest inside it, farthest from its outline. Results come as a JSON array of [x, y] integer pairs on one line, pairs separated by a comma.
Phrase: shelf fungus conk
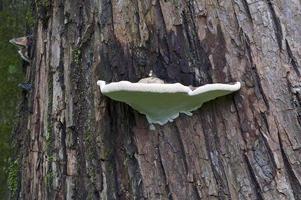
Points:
[[162, 103]]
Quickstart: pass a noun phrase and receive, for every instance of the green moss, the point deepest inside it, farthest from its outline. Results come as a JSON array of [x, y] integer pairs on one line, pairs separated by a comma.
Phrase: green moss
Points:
[[90, 196], [30, 20], [49, 179], [42, 9], [48, 135], [176, 3], [51, 158], [49, 138], [43, 3], [88, 137], [13, 176], [105, 154], [76, 55]]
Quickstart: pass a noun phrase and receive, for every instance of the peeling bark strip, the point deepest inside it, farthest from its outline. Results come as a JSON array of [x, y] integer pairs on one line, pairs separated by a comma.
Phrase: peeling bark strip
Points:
[[78, 144]]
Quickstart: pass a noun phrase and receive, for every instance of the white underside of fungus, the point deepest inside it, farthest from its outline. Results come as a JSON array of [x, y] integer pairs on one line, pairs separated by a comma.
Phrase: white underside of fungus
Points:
[[162, 103]]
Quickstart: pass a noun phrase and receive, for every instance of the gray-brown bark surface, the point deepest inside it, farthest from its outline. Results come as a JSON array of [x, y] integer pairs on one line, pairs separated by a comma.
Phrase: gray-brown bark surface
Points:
[[78, 144]]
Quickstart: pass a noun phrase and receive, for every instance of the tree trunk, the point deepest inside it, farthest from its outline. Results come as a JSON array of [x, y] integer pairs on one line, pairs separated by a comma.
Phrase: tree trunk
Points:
[[78, 144]]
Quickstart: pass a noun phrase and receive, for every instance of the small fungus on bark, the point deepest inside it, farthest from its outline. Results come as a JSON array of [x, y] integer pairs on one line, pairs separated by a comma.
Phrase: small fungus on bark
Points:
[[162, 103], [23, 44]]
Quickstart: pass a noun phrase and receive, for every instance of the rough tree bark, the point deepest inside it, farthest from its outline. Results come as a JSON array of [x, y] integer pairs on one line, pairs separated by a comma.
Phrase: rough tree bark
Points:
[[77, 144]]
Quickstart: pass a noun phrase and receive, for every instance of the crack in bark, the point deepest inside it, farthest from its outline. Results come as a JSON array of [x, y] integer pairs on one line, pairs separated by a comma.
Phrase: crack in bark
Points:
[[50, 139], [259, 86], [160, 12], [293, 60], [247, 9], [251, 171], [106, 14], [295, 99], [270, 151], [167, 188], [185, 160], [236, 102], [253, 178], [255, 74], [197, 196], [196, 46], [62, 127], [110, 175], [216, 165], [265, 120], [276, 22], [182, 148], [294, 182], [134, 172], [263, 156]]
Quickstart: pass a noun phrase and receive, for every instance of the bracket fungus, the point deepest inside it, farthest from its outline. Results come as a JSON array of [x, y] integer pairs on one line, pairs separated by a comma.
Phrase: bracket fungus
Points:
[[162, 103]]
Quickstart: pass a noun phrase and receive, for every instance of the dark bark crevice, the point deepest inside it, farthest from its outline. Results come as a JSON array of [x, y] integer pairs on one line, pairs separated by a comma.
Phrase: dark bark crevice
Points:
[[247, 9], [265, 132], [277, 23], [253, 178], [129, 150], [182, 148], [253, 154], [256, 80], [212, 143], [293, 61], [167, 185], [294, 182], [196, 47], [63, 167], [259, 87], [197, 195], [108, 157], [263, 164]]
